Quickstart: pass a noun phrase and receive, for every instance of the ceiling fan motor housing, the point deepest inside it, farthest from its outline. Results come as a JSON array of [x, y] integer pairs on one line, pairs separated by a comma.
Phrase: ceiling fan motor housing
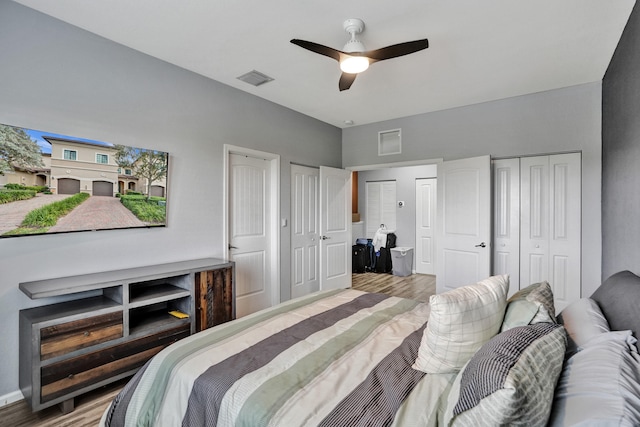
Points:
[[353, 26]]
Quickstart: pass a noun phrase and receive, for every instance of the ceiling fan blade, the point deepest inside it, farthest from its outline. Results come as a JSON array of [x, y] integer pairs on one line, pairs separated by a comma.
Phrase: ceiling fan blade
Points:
[[396, 50], [318, 48], [346, 80]]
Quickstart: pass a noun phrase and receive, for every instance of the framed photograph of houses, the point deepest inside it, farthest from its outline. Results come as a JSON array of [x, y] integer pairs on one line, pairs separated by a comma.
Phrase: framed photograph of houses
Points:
[[52, 183]]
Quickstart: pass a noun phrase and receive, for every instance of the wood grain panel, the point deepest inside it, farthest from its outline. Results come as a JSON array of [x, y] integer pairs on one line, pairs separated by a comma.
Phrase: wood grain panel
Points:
[[72, 374], [71, 336], [214, 297], [77, 381]]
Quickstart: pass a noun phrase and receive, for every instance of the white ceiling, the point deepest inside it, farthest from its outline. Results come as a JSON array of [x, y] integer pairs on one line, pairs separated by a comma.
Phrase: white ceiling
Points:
[[479, 50]]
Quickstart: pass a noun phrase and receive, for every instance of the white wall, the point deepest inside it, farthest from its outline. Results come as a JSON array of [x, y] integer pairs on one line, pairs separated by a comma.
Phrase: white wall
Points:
[[58, 78], [562, 120]]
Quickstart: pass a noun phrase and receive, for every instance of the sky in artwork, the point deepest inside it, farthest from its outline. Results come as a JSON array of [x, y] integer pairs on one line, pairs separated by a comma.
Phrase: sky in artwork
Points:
[[37, 137]]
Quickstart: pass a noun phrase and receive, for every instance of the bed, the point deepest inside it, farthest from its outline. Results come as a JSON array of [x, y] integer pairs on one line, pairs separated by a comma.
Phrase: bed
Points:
[[346, 357]]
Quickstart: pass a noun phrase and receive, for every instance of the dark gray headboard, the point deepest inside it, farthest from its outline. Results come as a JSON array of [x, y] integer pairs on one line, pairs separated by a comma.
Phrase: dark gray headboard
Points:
[[619, 300]]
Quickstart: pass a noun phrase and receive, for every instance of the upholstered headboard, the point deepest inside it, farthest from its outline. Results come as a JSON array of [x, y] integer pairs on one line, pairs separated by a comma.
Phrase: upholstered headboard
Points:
[[619, 300]]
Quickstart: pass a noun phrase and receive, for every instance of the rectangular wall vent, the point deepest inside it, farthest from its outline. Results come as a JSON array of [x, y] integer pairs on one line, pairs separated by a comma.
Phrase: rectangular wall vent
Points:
[[389, 142], [255, 78]]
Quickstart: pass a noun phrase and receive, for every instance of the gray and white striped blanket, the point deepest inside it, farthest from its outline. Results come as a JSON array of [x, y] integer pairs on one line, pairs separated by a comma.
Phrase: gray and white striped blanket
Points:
[[335, 358]]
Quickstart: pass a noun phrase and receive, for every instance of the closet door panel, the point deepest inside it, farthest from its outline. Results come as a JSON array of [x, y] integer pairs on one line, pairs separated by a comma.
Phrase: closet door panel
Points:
[[565, 227], [506, 216], [380, 206], [534, 225]]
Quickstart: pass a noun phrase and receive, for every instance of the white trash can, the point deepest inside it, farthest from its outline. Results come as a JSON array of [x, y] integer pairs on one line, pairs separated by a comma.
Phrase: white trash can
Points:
[[402, 260]]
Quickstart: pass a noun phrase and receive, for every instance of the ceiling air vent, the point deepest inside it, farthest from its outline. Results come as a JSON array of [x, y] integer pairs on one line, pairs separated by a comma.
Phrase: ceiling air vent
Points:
[[255, 78]]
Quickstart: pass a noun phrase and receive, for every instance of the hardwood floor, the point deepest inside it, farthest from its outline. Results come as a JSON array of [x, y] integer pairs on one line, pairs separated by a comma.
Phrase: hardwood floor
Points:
[[88, 411], [417, 286], [91, 406]]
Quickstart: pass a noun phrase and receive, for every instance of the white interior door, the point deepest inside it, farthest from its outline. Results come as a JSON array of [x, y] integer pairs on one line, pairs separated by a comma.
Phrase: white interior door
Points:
[[534, 241], [335, 228], [249, 232], [506, 220], [426, 205], [565, 244], [550, 247], [305, 275], [464, 222]]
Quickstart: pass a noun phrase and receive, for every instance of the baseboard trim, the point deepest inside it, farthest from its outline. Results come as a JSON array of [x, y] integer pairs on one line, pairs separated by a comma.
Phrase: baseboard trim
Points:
[[10, 398]]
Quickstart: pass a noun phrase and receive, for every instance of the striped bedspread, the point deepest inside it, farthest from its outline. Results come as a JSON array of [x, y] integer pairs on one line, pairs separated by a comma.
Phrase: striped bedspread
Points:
[[335, 358]]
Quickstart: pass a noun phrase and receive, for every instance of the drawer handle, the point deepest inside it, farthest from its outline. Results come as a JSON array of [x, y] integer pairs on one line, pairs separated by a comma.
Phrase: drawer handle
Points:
[[86, 333], [70, 376]]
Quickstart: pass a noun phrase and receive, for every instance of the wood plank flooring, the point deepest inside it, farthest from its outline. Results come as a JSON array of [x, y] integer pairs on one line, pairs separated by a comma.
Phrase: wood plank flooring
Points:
[[417, 286], [90, 406], [89, 409]]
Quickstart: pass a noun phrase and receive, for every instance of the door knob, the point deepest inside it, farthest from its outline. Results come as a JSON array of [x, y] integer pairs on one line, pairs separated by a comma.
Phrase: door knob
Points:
[[481, 245], [232, 247], [324, 237]]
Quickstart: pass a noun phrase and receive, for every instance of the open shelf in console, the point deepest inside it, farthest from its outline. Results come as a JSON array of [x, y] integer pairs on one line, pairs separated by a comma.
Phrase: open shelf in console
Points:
[[139, 298], [155, 317], [156, 291]]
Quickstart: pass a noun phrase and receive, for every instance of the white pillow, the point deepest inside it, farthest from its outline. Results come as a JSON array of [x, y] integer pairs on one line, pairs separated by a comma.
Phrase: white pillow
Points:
[[460, 322]]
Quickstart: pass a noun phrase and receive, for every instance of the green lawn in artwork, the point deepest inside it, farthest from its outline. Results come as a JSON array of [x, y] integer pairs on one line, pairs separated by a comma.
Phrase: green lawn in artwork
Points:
[[148, 209]]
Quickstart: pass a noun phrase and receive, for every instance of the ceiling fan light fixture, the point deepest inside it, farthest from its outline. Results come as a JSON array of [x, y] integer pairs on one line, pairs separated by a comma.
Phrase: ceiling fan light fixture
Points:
[[354, 64], [355, 59]]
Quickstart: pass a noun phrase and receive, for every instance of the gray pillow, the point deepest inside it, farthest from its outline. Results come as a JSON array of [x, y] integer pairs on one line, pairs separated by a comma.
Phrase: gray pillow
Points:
[[533, 304], [619, 299], [510, 380], [600, 385], [583, 321]]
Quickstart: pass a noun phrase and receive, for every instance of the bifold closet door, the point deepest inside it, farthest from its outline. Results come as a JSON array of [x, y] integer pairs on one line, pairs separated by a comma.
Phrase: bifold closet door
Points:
[[380, 199], [550, 224], [506, 220]]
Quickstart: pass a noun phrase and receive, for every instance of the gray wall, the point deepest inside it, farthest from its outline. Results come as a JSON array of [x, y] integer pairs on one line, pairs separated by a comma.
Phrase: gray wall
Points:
[[621, 154], [562, 120], [58, 78]]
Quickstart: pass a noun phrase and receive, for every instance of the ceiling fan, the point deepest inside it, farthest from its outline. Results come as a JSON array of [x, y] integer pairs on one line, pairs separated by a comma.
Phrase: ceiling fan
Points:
[[354, 58]]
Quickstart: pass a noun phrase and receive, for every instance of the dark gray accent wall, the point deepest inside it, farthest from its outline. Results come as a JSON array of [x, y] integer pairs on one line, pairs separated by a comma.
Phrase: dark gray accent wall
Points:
[[59, 78], [621, 154]]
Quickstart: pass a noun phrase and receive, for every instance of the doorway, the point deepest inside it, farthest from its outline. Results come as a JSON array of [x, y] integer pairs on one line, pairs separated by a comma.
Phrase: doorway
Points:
[[399, 183]]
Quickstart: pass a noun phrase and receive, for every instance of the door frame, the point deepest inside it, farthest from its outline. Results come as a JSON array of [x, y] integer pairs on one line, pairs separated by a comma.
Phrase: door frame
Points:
[[273, 226]]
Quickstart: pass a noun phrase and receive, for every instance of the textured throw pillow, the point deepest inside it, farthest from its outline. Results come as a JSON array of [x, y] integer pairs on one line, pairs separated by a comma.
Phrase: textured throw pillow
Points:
[[510, 380], [600, 385], [583, 321], [533, 304], [461, 321]]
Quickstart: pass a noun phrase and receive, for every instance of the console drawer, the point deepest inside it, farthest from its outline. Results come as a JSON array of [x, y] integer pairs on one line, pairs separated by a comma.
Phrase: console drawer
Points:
[[61, 378], [71, 336]]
